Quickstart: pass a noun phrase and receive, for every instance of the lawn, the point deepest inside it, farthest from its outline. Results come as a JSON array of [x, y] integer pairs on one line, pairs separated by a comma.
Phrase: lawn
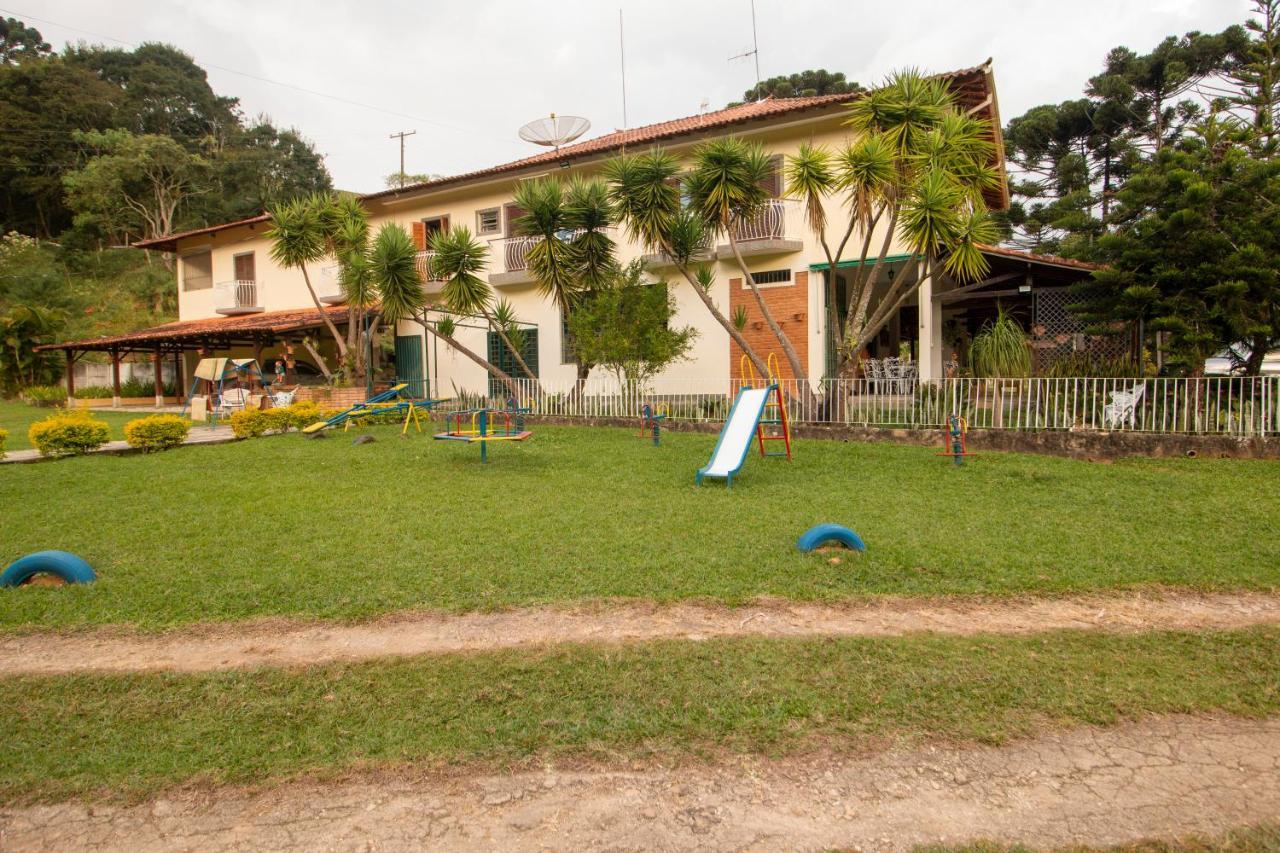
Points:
[[289, 526], [18, 417], [663, 699]]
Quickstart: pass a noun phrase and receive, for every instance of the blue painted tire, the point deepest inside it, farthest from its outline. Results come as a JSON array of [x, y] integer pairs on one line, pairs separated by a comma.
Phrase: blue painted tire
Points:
[[819, 535], [62, 564]]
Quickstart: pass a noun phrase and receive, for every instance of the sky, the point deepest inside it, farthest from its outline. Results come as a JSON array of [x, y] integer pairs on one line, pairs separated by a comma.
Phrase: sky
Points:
[[466, 75]]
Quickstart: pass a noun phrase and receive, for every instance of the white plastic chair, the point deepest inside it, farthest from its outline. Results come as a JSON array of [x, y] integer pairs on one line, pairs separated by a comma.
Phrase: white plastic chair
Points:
[[232, 400], [281, 399], [1123, 408]]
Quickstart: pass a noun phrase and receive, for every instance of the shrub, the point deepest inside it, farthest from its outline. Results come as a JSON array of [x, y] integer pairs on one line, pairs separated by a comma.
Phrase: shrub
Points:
[[4, 434], [45, 395], [93, 392], [156, 432], [250, 423], [68, 433]]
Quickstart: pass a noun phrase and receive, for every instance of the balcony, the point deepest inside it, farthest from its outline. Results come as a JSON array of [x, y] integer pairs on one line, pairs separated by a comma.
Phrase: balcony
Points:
[[657, 260], [766, 233], [236, 297], [328, 285], [514, 255], [432, 281]]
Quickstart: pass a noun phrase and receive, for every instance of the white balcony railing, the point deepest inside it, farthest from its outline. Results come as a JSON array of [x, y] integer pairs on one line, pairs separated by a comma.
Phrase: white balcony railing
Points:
[[515, 250], [425, 267], [236, 297], [769, 224]]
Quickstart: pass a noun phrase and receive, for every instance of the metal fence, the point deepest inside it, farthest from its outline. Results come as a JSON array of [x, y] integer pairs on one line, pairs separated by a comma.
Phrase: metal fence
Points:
[[1213, 405]]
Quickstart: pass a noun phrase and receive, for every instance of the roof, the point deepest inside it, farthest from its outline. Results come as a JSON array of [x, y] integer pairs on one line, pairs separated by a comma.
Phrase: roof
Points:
[[1054, 260], [974, 88], [216, 330], [168, 242]]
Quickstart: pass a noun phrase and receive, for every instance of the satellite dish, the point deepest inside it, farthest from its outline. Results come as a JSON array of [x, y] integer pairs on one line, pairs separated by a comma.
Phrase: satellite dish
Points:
[[554, 131]]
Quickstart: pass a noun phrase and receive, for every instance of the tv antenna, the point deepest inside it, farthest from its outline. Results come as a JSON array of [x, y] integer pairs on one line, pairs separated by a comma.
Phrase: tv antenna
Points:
[[754, 52], [554, 131]]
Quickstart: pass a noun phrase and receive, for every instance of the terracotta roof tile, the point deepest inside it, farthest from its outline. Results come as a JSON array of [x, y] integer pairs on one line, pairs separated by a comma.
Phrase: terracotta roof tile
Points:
[[1038, 258], [193, 331]]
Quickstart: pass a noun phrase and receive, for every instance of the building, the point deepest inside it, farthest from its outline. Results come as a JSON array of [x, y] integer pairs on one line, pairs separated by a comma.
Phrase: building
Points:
[[233, 300]]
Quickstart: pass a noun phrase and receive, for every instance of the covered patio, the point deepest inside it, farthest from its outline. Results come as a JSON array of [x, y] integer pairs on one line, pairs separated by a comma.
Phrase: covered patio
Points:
[[266, 337], [1033, 288]]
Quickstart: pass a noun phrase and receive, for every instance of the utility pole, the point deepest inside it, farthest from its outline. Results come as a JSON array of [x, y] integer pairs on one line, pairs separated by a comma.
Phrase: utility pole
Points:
[[401, 135]]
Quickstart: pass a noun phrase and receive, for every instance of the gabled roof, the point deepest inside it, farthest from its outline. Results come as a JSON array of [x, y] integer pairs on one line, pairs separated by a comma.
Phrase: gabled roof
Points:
[[246, 327], [1052, 260], [974, 88]]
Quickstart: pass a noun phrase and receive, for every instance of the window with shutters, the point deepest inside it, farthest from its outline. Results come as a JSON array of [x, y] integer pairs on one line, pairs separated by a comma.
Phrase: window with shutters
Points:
[[197, 270], [425, 229], [773, 183], [567, 355], [500, 356], [488, 221]]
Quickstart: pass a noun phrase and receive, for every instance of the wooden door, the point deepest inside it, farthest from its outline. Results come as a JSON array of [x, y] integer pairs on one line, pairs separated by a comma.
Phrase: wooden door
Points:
[[244, 267]]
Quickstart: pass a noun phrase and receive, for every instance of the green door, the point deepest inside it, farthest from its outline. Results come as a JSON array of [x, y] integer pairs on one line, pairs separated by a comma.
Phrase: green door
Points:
[[500, 357], [410, 368]]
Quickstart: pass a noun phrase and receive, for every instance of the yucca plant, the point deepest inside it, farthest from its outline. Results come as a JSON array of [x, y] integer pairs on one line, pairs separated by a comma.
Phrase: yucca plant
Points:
[[645, 197], [298, 237], [918, 166], [1001, 349]]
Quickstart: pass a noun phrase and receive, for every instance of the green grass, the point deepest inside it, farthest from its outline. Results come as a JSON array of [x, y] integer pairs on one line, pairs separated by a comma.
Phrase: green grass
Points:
[[1259, 838], [129, 735], [17, 417], [289, 526]]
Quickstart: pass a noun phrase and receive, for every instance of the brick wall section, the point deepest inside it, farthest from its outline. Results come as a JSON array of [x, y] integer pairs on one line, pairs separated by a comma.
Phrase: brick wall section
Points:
[[336, 398], [789, 305]]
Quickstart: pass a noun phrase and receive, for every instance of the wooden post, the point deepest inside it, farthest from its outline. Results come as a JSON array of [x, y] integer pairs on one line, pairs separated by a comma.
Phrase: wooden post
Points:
[[159, 366], [71, 378], [115, 379], [179, 379]]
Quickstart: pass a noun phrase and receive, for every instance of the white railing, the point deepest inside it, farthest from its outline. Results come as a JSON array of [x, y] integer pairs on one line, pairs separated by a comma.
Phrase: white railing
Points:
[[769, 224], [1237, 406], [237, 295], [425, 266], [515, 250]]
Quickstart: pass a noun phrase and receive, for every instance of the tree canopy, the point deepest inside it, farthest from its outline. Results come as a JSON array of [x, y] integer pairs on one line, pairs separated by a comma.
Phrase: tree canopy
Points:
[[802, 84]]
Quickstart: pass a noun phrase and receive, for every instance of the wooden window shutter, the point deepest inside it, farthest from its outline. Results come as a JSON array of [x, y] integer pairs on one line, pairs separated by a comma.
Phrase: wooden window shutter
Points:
[[420, 235]]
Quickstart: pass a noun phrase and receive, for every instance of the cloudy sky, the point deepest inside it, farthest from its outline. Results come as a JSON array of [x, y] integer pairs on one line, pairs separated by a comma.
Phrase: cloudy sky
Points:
[[466, 75]]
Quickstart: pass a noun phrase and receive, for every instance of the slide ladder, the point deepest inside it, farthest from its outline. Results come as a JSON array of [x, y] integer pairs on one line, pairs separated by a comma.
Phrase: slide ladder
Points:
[[773, 425], [749, 421]]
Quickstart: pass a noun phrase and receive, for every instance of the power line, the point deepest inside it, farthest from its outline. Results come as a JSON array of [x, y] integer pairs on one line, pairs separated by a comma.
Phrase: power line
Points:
[[295, 88]]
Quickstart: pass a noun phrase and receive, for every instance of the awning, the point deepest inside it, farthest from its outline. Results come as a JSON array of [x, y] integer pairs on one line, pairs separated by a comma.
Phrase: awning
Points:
[[212, 332]]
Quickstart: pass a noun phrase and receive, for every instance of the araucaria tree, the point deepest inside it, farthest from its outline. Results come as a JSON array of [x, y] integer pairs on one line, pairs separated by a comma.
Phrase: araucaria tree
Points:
[[912, 182]]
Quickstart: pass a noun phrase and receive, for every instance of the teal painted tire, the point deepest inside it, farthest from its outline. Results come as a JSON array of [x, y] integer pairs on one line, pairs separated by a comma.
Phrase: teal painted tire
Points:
[[821, 534], [61, 564]]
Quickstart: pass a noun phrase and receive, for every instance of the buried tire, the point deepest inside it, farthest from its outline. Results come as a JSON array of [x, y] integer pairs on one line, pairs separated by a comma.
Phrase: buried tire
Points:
[[61, 564], [822, 534]]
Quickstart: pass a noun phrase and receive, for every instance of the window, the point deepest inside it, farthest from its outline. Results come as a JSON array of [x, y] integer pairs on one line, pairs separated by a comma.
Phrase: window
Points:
[[197, 271], [488, 221], [773, 278], [773, 183], [501, 357], [510, 213]]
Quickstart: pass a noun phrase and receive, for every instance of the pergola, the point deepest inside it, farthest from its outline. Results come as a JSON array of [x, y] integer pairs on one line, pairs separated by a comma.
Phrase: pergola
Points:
[[253, 331]]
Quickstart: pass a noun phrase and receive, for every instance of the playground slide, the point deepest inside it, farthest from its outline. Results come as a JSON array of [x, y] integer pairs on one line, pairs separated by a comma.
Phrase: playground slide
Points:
[[737, 435]]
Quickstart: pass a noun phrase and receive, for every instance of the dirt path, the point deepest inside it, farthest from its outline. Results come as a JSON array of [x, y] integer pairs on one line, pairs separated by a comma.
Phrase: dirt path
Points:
[[1164, 777], [282, 643]]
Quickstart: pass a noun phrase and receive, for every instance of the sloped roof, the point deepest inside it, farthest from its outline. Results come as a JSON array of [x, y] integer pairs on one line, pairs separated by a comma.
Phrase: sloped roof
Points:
[[973, 86], [243, 327], [1054, 260]]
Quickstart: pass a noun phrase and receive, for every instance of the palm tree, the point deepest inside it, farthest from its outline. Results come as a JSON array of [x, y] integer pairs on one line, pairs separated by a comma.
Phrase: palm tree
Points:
[[646, 199], [919, 165], [572, 253], [459, 259], [298, 238], [726, 188], [346, 226]]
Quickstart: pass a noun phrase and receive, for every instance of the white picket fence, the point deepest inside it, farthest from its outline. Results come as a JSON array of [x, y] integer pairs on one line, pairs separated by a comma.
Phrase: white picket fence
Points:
[[1239, 406]]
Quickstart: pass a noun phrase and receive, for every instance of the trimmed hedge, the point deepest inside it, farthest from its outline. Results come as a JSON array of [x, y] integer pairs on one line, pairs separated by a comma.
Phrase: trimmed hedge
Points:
[[252, 423], [156, 432], [68, 433]]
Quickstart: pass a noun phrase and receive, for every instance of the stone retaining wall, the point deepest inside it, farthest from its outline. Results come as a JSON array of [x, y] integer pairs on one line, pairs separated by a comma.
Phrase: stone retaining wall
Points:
[[1092, 445]]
